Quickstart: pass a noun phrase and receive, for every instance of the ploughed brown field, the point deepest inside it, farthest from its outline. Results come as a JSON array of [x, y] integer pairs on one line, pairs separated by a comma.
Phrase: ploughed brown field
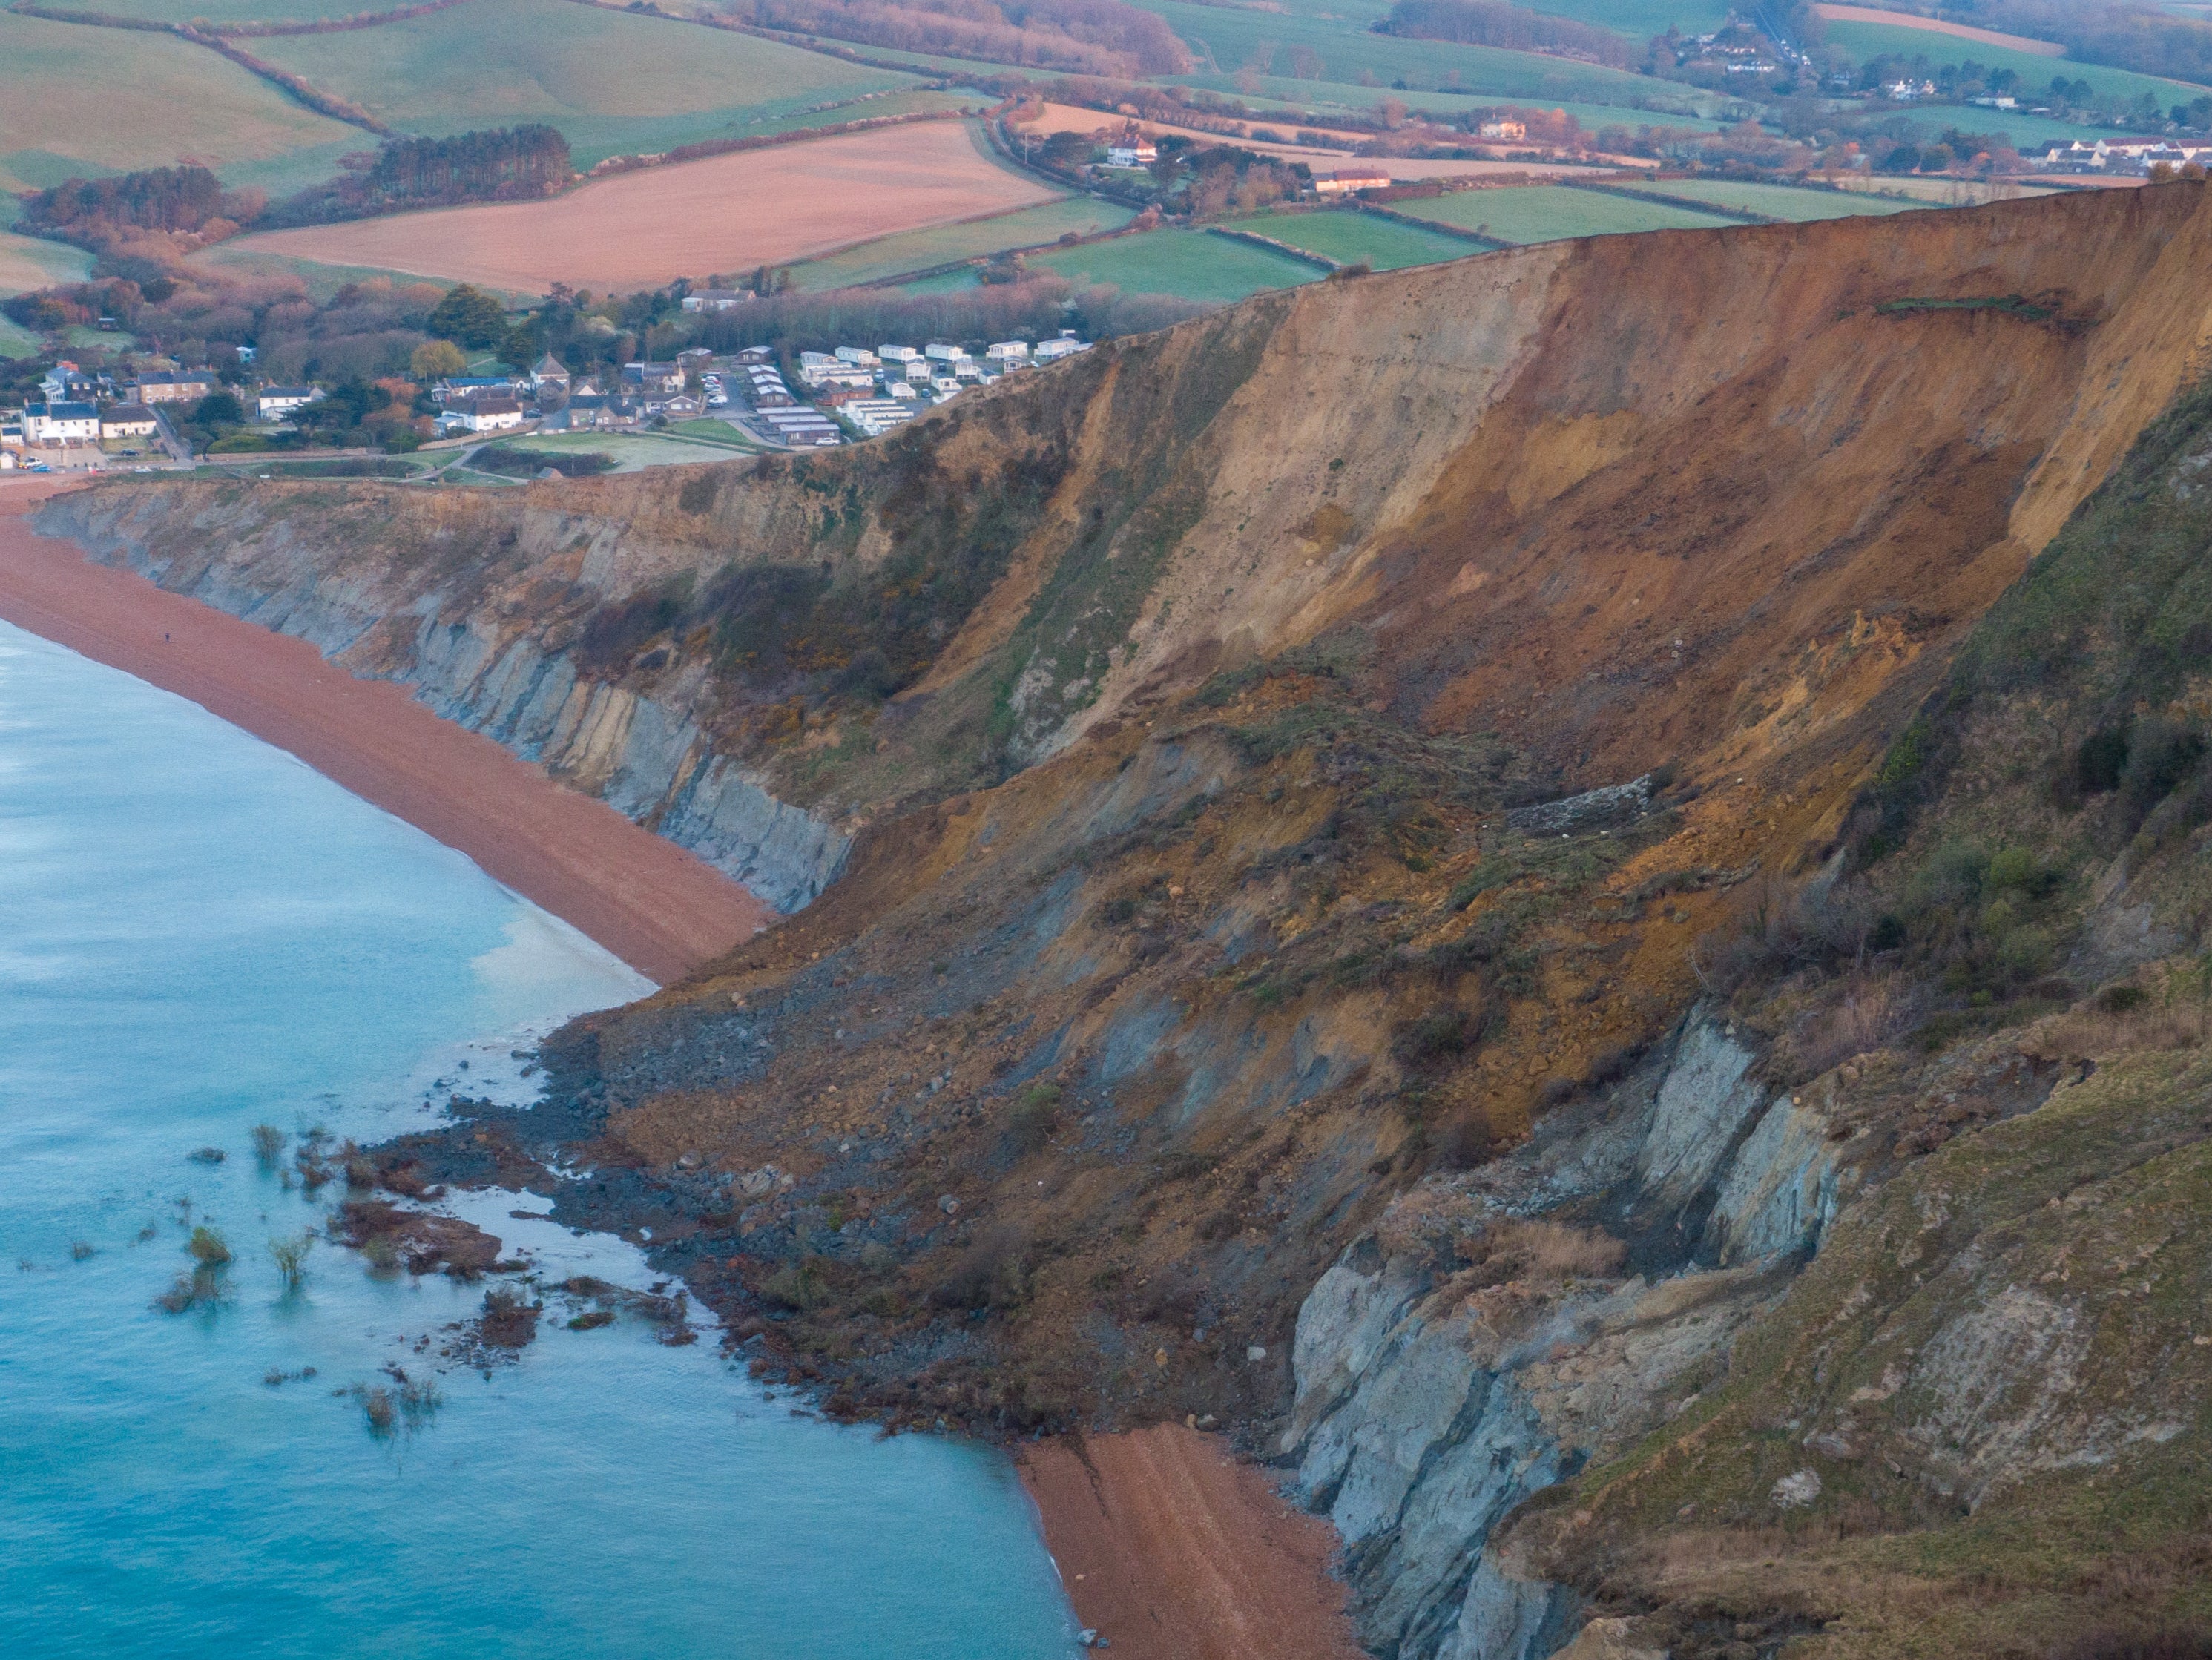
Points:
[[770, 206]]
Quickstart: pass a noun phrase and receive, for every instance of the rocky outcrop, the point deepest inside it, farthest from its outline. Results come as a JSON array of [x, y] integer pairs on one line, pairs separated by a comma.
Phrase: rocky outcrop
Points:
[[1432, 1399]]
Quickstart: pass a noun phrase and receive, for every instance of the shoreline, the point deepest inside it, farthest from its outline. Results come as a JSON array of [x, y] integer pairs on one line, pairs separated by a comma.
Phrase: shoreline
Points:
[[1175, 1549], [1166, 1544], [660, 909]]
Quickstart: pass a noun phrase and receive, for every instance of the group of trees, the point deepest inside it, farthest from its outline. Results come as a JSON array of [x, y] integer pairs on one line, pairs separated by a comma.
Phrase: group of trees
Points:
[[495, 165], [1495, 23], [134, 220], [159, 199], [1088, 37]]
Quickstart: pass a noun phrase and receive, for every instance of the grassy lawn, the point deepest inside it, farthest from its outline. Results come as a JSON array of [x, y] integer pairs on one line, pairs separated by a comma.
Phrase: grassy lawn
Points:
[[1782, 201], [712, 430], [1347, 237], [83, 101], [887, 256], [633, 452], [1545, 213], [613, 83], [1189, 263], [32, 261]]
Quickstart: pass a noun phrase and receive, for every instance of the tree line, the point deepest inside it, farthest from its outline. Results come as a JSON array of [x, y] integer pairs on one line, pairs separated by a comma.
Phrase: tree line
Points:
[[1088, 37]]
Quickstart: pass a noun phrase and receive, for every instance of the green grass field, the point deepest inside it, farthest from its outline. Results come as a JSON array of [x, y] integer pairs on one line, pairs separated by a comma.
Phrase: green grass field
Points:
[[1546, 213], [16, 341], [1782, 201], [1226, 41], [83, 101], [633, 452], [1638, 20], [1348, 238], [1187, 264], [887, 256], [228, 11], [322, 279], [613, 83], [1867, 40], [31, 262]]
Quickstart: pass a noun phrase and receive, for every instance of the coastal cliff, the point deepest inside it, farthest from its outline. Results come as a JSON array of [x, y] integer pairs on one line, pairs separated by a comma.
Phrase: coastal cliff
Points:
[[1517, 881]]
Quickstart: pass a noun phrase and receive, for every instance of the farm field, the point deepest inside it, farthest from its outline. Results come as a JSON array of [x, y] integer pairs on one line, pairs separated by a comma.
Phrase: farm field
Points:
[[1947, 192], [1782, 201], [229, 11], [1638, 20], [1675, 104], [918, 250], [614, 82], [32, 261], [1225, 41], [81, 102], [728, 213], [1933, 25], [321, 280], [1350, 237], [1866, 40], [1187, 264], [1547, 213]]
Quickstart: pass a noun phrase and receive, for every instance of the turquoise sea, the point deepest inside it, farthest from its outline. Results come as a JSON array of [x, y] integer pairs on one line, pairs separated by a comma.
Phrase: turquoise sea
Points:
[[199, 934]]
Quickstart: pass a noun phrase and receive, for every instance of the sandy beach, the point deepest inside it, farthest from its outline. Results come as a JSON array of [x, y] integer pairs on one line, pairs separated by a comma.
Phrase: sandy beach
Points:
[[1176, 1551], [655, 906]]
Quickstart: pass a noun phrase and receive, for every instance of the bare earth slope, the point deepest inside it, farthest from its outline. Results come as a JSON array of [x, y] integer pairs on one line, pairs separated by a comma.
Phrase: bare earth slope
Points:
[[1201, 1013]]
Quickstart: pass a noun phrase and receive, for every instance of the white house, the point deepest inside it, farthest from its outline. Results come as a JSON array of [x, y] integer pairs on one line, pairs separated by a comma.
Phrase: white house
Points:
[[898, 353], [128, 421], [859, 356], [1139, 155], [1345, 180], [61, 423], [1007, 353], [282, 400], [715, 299], [1050, 352], [482, 414], [1506, 130]]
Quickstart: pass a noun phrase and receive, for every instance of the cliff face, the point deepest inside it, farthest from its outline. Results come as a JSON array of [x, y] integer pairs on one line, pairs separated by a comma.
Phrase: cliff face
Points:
[[1398, 879]]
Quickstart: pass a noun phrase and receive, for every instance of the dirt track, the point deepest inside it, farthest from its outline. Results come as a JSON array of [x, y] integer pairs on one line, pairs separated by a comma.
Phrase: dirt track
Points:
[[650, 903], [1174, 1551], [728, 213]]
